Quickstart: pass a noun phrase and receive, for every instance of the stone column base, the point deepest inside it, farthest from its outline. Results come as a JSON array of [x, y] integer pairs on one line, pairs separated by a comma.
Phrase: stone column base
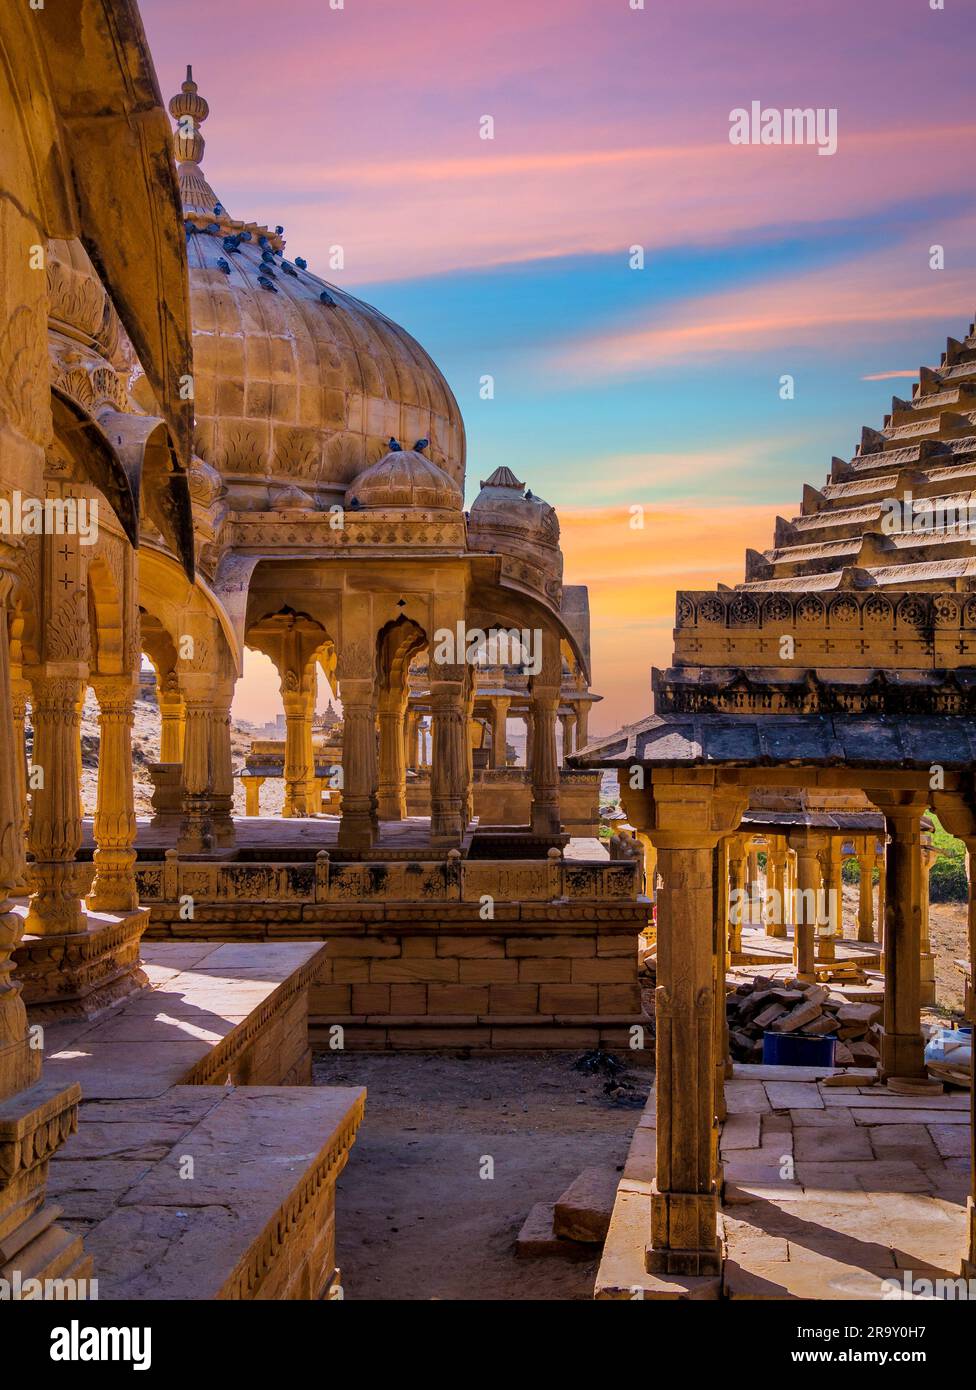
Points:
[[78, 976], [902, 1054], [33, 1125], [684, 1234]]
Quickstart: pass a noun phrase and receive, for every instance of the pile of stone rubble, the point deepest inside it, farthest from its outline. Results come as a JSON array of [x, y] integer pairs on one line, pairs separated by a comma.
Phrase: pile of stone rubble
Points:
[[790, 1006]]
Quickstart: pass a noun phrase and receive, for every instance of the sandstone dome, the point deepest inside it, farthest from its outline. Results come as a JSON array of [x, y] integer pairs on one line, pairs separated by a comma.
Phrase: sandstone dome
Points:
[[405, 478], [506, 518], [294, 379]]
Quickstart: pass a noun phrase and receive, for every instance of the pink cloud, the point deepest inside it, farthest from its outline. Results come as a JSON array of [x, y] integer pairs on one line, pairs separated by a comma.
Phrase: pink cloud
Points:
[[845, 302]]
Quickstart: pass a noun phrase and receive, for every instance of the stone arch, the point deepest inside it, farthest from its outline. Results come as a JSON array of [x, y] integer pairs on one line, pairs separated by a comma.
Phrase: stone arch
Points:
[[106, 619]]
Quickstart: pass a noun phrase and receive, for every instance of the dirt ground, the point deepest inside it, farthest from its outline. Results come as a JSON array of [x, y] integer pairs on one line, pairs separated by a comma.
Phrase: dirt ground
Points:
[[416, 1220], [948, 928]]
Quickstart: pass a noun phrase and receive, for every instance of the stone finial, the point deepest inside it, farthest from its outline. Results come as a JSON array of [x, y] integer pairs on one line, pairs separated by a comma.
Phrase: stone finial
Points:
[[189, 110]]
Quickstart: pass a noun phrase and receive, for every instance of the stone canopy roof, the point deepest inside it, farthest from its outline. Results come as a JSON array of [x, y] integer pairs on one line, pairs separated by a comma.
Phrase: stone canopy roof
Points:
[[810, 740]]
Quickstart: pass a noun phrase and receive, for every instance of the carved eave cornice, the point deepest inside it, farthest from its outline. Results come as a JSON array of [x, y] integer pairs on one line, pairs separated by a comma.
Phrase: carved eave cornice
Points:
[[762, 691], [304, 534]]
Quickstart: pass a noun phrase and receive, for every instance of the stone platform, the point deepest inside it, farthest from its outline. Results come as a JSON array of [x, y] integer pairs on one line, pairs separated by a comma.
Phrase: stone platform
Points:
[[758, 948], [427, 954], [197, 1170], [276, 837], [829, 1192]]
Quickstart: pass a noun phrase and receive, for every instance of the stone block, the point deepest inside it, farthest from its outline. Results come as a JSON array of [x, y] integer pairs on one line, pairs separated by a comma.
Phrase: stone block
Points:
[[544, 1036], [567, 999], [538, 1236], [329, 999], [473, 947], [370, 999], [351, 972], [489, 972], [605, 970], [514, 999], [429, 972], [584, 1210], [576, 947], [419, 947], [408, 999], [619, 999], [457, 999], [537, 970]]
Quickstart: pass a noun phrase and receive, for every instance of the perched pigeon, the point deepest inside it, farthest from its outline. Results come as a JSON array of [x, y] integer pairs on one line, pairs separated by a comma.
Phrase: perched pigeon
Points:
[[395, 446], [245, 236], [218, 209], [232, 243], [266, 284], [301, 262], [288, 269], [268, 256], [280, 231], [326, 298], [224, 266], [421, 445], [213, 227]]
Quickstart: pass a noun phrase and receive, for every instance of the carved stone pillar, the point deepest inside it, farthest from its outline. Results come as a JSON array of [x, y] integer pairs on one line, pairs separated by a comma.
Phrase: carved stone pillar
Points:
[[582, 708], [469, 754], [252, 795], [449, 762], [830, 926], [499, 723], [357, 825], [529, 729], [569, 734], [392, 796], [222, 770], [789, 879], [411, 756], [171, 721], [298, 772], [776, 911], [737, 888], [197, 827], [865, 901], [685, 823], [55, 829], [20, 689], [545, 767], [902, 1045], [114, 887], [880, 864], [20, 1065], [809, 901], [927, 963]]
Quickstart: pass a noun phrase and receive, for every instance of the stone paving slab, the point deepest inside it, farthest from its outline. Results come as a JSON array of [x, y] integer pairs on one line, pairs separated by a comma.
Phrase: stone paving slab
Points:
[[874, 1189]]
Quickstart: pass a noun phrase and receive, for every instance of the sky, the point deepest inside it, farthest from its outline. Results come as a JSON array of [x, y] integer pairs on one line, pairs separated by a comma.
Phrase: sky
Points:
[[645, 402]]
